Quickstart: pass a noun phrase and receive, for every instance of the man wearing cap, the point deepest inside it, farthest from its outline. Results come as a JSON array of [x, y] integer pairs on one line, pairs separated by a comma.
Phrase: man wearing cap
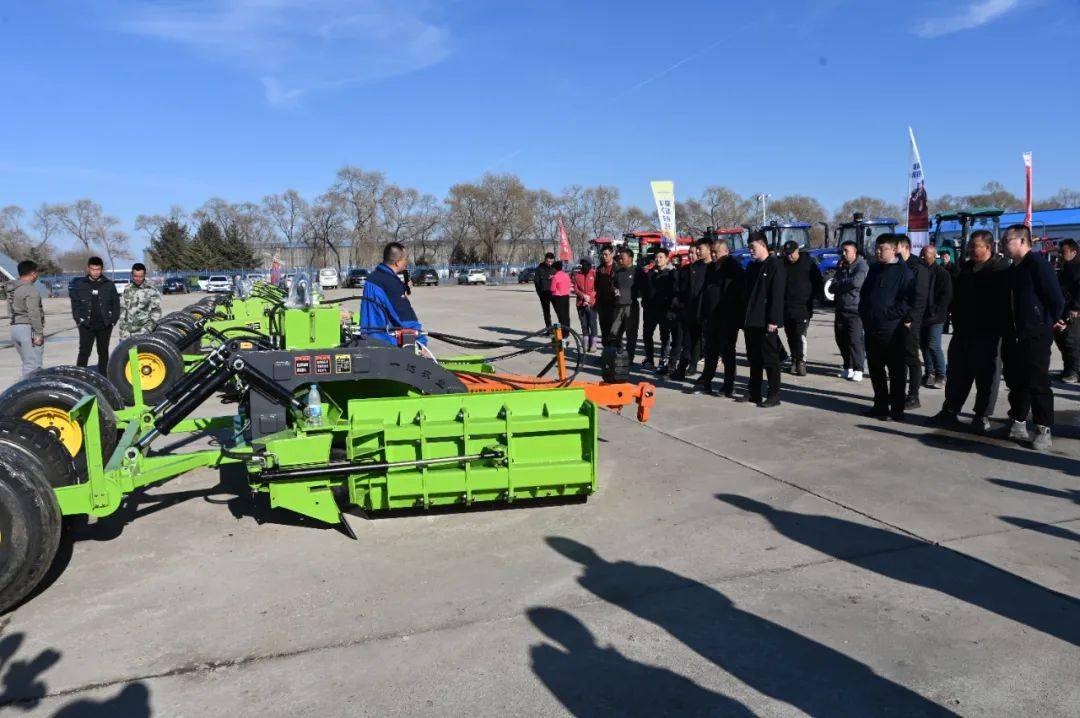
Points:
[[802, 283], [542, 280]]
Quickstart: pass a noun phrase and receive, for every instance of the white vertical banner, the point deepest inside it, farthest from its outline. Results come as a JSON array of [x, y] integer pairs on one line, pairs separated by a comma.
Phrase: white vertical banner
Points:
[[664, 193], [918, 221]]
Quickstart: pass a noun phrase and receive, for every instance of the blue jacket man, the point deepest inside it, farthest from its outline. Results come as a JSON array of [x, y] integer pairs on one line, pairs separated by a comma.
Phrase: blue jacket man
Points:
[[385, 306], [884, 303]]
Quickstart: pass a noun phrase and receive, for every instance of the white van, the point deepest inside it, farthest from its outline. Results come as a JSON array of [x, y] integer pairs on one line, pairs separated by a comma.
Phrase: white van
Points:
[[328, 278]]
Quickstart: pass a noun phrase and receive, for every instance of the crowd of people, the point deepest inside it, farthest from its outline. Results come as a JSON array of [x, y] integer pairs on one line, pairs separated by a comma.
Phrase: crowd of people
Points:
[[96, 306], [1004, 310]]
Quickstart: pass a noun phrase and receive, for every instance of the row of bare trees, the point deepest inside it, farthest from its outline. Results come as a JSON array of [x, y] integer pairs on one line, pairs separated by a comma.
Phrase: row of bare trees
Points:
[[496, 219]]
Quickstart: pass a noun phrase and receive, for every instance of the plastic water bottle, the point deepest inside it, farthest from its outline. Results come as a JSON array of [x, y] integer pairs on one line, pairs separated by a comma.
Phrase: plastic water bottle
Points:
[[313, 411]]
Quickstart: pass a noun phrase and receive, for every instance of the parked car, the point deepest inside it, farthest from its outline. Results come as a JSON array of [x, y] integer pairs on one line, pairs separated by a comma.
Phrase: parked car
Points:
[[527, 276], [328, 278], [121, 285], [204, 280], [472, 276], [425, 277], [357, 278], [218, 283], [174, 285]]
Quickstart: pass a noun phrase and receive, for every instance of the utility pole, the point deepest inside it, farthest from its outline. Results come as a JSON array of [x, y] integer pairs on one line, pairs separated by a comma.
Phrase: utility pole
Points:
[[764, 198]]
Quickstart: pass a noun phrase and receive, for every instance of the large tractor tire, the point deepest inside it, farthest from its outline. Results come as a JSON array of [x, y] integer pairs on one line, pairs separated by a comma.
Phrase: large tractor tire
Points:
[[90, 376], [42, 448], [46, 401], [29, 526], [184, 320], [159, 364]]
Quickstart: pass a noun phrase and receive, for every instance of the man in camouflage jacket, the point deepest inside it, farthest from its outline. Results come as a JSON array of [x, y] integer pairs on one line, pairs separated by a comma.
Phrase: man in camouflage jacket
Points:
[[140, 305]]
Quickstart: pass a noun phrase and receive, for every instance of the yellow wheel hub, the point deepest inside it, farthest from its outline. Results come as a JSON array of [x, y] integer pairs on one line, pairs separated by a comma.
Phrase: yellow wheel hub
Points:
[[151, 369], [60, 424]]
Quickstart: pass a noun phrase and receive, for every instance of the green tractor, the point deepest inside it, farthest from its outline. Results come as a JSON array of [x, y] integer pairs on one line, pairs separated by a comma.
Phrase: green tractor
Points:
[[322, 425], [953, 229]]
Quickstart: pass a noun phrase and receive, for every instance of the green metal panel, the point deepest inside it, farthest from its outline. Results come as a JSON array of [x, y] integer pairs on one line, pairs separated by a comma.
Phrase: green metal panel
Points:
[[549, 438], [313, 328]]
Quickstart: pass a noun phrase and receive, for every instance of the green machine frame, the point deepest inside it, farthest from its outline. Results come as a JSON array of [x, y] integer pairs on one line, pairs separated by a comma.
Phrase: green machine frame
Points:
[[376, 453]]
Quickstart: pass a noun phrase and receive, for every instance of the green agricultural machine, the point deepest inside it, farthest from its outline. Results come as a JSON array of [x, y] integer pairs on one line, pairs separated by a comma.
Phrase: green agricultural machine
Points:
[[339, 424]]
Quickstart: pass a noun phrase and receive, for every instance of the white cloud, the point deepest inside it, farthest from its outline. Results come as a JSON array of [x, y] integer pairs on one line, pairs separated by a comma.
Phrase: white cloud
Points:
[[974, 15], [296, 47]]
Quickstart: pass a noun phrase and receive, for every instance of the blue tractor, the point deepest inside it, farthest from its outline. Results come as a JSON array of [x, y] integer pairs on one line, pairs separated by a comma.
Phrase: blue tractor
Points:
[[861, 230], [777, 234]]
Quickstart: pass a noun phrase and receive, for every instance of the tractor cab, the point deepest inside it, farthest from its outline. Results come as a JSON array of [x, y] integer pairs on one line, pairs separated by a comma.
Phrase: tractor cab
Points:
[[645, 244], [779, 233], [864, 232], [952, 230]]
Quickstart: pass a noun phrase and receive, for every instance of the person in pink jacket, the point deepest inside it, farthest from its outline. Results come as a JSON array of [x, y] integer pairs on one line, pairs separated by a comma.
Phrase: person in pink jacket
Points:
[[560, 294], [585, 289]]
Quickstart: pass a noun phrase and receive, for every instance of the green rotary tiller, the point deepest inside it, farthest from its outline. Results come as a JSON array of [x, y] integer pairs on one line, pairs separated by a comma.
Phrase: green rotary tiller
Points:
[[318, 429]]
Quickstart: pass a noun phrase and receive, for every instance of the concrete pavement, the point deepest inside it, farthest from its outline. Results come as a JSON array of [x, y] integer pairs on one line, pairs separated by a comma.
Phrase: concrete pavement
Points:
[[803, 560]]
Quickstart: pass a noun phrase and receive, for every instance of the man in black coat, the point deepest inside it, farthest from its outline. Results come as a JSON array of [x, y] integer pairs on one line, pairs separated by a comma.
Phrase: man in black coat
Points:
[[937, 308], [884, 305], [542, 280], [691, 282], [95, 307], [1068, 339], [764, 285], [657, 293], [911, 327], [977, 309], [605, 293], [802, 284], [1035, 307], [722, 315], [622, 281]]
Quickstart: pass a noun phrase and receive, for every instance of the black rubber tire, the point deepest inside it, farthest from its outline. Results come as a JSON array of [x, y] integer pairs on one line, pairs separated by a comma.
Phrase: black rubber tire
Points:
[[182, 319], [29, 527], [169, 332], [92, 377], [41, 448], [151, 344], [61, 392]]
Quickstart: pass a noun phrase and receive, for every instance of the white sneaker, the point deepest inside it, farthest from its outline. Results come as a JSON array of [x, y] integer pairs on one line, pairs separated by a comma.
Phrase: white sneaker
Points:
[[845, 374], [856, 376]]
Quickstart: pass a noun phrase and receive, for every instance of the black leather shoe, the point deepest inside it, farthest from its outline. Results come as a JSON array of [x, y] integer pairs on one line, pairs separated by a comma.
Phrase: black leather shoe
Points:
[[896, 416], [912, 402], [769, 403], [879, 414]]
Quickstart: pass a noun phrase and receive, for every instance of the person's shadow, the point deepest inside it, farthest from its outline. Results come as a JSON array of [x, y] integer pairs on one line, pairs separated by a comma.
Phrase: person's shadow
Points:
[[22, 687], [771, 659], [931, 566], [593, 680]]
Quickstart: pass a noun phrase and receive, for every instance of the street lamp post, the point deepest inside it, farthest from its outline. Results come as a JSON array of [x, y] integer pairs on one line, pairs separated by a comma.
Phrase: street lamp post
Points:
[[764, 198]]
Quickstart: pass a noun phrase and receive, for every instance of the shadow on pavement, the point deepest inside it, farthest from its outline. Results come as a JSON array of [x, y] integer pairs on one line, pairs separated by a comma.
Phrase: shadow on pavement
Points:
[[1048, 529], [1071, 494], [934, 567], [591, 680], [23, 687], [769, 658], [988, 447]]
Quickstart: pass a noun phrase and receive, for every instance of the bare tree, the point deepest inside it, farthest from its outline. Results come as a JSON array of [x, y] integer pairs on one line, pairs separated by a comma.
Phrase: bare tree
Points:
[[726, 208], [325, 229], [635, 219], [47, 222], [362, 192], [870, 207], [82, 220], [116, 246]]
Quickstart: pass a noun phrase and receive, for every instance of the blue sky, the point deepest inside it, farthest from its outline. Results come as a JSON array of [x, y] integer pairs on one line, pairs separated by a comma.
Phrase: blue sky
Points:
[[143, 105]]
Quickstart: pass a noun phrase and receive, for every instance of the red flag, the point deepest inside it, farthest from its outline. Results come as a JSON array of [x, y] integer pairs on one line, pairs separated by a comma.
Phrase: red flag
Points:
[[565, 253], [1027, 169]]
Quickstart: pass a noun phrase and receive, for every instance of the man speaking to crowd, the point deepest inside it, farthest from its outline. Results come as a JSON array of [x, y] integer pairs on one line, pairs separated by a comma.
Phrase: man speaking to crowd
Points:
[[386, 306]]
